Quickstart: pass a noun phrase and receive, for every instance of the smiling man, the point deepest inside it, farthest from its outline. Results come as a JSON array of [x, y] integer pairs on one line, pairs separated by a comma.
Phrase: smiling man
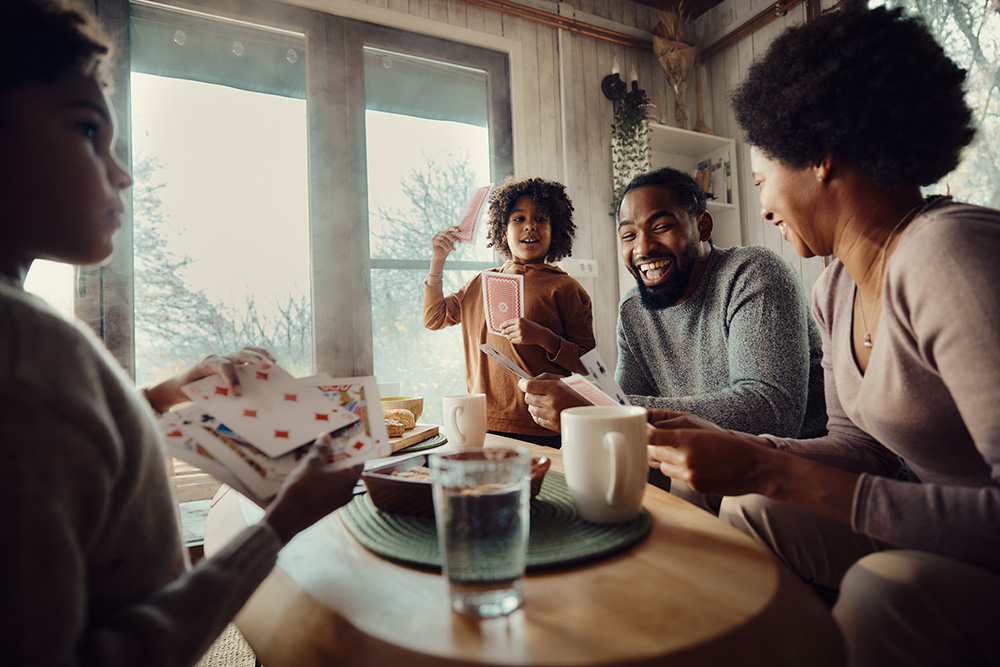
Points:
[[723, 333]]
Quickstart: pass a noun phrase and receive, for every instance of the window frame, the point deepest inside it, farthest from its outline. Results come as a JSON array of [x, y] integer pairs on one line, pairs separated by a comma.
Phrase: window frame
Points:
[[338, 210]]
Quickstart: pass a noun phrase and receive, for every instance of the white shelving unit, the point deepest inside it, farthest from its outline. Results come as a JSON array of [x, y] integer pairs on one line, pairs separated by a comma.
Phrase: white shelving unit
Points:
[[686, 150]]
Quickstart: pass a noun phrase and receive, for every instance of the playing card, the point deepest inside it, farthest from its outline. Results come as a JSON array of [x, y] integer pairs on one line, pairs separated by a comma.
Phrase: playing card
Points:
[[276, 412], [367, 437], [503, 359], [588, 390], [184, 441], [598, 370], [467, 226], [503, 298]]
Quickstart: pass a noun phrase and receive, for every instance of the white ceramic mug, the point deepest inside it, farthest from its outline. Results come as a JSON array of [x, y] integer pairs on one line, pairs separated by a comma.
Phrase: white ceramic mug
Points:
[[604, 455], [465, 420]]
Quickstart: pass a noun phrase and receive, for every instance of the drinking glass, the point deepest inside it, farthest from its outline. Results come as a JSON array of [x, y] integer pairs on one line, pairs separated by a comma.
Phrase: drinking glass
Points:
[[481, 505]]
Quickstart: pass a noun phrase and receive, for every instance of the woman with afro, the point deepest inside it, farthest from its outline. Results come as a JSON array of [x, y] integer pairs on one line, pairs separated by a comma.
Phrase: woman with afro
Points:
[[849, 115], [531, 225]]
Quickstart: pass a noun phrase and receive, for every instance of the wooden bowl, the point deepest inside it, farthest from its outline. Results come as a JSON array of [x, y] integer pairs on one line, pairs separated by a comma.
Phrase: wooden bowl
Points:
[[405, 495], [414, 404]]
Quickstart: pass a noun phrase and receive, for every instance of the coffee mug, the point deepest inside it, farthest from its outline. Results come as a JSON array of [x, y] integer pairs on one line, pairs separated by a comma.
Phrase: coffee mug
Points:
[[604, 455], [465, 420]]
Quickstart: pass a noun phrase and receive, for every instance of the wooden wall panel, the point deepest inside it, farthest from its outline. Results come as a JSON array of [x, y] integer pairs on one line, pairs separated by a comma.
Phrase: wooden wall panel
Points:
[[726, 70]]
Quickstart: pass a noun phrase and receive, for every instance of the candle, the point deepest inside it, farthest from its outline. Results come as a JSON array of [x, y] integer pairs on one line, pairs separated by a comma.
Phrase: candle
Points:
[[615, 69], [634, 76]]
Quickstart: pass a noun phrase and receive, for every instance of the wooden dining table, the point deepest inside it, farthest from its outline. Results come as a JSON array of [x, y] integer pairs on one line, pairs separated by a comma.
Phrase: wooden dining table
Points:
[[695, 591]]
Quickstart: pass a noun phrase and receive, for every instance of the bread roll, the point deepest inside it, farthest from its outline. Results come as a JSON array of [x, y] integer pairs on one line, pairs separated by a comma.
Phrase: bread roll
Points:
[[401, 415]]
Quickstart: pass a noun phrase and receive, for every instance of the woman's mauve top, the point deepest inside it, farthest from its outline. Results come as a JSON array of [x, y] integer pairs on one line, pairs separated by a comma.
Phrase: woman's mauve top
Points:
[[931, 392]]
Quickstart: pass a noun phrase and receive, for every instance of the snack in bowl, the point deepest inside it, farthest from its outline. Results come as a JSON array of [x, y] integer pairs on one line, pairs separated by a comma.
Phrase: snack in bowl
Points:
[[401, 415], [404, 486], [414, 404]]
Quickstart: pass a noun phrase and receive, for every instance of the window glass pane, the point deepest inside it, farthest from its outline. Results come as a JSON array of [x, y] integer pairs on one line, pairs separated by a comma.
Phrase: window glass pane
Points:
[[222, 254], [422, 170], [53, 281], [969, 31]]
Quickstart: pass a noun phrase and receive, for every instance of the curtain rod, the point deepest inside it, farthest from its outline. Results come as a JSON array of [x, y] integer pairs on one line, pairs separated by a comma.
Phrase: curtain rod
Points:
[[562, 22], [775, 10]]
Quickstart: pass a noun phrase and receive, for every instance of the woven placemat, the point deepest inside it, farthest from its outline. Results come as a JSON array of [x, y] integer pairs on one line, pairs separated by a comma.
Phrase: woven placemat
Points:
[[429, 443], [558, 537]]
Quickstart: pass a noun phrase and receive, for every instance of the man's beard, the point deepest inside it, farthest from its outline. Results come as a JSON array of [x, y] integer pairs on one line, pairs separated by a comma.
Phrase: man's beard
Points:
[[668, 293]]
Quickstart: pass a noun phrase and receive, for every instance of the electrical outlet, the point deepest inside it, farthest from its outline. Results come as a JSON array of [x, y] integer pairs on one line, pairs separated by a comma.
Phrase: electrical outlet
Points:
[[579, 268]]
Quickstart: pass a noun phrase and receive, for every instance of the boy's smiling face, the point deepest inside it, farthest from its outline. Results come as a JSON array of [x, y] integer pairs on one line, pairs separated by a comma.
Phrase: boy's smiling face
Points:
[[529, 232], [60, 183]]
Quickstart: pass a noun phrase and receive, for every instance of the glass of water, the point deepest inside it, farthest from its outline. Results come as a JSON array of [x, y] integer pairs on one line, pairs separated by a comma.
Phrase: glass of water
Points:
[[481, 505]]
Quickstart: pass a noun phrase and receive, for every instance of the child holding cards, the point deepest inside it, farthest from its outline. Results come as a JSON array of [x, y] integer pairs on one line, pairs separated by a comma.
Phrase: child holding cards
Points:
[[531, 224], [92, 567]]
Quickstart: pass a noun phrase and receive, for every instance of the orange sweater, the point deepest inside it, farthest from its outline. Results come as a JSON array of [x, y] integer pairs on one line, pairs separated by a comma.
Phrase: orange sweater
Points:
[[551, 298]]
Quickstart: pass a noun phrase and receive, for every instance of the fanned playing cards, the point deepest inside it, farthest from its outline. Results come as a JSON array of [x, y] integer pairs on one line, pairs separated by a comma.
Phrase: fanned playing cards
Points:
[[503, 298], [252, 442]]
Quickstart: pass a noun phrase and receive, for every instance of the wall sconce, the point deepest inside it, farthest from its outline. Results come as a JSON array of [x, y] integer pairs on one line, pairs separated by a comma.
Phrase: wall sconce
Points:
[[615, 89], [612, 85]]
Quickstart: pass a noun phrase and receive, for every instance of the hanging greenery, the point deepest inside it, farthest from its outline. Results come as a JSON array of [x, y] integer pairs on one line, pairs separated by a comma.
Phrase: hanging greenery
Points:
[[630, 150]]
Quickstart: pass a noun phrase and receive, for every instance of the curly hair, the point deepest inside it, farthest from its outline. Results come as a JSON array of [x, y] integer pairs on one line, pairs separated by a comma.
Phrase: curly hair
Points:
[[869, 87], [685, 190], [548, 196], [46, 41]]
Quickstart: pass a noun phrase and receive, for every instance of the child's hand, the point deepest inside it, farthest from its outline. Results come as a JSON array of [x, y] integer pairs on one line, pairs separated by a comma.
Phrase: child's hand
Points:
[[443, 243], [522, 331]]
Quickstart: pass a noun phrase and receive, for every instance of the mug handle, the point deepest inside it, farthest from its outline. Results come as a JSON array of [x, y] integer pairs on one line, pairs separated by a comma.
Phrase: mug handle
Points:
[[453, 423], [614, 444]]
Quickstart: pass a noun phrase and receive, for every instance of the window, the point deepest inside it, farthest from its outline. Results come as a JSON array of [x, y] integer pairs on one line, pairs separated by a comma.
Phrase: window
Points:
[[220, 199], [253, 155], [53, 282], [969, 30], [427, 150]]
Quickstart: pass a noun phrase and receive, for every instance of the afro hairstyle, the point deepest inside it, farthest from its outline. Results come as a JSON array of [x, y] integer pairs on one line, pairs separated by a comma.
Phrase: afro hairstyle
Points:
[[869, 87], [548, 196]]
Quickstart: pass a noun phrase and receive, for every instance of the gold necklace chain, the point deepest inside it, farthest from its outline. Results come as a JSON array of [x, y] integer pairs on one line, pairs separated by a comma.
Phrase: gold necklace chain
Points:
[[912, 213]]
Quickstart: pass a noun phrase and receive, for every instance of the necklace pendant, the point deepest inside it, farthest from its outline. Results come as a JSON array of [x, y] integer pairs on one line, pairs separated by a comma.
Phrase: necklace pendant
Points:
[[868, 341]]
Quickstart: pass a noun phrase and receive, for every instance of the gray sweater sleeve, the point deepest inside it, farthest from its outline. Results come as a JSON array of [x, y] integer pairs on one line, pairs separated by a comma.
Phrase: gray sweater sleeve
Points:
[[737, 352]]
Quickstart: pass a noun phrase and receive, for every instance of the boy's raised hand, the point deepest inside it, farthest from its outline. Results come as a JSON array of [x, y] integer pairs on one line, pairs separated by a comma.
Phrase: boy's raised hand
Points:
[[443, 244]]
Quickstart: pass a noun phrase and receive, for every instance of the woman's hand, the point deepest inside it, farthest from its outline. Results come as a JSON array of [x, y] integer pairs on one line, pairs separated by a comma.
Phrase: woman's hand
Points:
[[168, 393], [547, 397], [708, 458], [522, 331], [311, 491]]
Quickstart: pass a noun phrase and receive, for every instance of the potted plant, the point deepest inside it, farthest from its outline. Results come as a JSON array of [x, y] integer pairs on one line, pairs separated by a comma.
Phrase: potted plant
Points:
[[630, 149]]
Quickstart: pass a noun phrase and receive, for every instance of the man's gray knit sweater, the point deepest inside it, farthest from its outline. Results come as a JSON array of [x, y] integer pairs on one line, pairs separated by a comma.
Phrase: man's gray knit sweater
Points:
[[742, 351]]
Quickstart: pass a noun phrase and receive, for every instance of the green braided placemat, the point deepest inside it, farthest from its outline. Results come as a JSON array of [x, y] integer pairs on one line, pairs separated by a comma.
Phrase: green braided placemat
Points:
[[558, 537]]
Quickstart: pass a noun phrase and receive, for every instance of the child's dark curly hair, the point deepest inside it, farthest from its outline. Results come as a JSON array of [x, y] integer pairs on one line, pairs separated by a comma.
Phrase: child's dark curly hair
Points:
[[870, 87], [548, 196], [53, 40]]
